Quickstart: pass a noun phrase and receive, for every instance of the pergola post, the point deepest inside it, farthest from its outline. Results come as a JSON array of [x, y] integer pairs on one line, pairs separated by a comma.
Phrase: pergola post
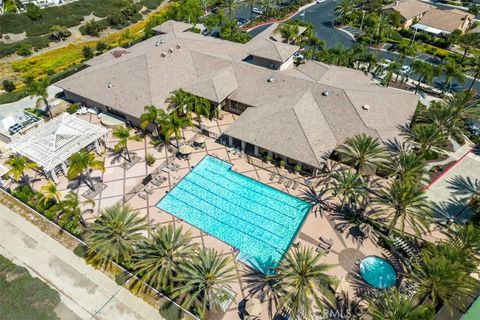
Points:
[[97, 146], [54, 176], [105, 139], [64, 168]]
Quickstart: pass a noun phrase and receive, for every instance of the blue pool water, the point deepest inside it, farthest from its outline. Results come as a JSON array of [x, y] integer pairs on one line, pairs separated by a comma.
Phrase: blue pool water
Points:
[[255, 218], [378, 272]]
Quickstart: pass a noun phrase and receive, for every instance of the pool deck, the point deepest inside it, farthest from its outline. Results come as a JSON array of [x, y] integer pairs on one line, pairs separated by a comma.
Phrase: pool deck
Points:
[[346, 248]]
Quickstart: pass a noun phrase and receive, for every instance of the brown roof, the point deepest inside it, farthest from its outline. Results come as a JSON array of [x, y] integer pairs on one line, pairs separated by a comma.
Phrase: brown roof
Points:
[[300, 113], [172, 26], [275, 51], [446, 20], [409, 9]]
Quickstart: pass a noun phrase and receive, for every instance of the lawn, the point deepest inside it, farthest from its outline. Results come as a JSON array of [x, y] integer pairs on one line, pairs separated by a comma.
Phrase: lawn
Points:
[[24, 297]]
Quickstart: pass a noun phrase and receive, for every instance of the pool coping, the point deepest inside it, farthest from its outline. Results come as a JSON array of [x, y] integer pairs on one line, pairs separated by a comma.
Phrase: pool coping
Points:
[[235, 253]]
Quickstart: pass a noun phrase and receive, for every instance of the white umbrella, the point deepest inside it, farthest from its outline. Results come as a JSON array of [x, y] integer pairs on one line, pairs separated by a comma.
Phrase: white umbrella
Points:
[[185, 149], [253, 307], [200, 139]]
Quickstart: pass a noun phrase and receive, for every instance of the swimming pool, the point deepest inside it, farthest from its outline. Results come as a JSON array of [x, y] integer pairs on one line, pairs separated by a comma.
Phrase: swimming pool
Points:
[[255, 218], [378, 272]]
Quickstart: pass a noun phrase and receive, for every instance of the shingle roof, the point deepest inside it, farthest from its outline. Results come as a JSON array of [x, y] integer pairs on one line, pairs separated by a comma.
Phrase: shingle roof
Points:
[[172, 26], [409, 9], [446, 20], [291, 113], [275, 51]]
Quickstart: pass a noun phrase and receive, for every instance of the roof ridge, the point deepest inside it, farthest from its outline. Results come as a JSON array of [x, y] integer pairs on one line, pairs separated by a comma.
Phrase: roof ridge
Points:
[[148, 79], [301, 127], [359, 116]]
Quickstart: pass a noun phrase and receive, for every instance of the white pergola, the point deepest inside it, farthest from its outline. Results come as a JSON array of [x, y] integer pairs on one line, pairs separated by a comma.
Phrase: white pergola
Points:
[[51, 144]]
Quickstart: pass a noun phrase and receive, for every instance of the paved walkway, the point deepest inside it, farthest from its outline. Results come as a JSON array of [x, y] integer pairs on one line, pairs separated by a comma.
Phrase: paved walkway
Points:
[[86, 293]]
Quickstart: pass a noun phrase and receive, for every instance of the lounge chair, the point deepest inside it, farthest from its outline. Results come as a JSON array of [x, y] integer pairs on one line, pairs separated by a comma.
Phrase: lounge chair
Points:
[[322, 249], [288, 183], [143, 195], [273, 176], [280, 181], [295, 185], [148, 190], [157, 183], [327, 241], [165, 169], [324, 246], [176, 165]]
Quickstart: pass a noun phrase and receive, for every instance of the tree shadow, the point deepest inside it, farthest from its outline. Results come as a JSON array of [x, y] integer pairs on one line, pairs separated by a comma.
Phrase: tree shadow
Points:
[[445, 212], [463, 186], [320, 200], [262, 286], [396, 146]]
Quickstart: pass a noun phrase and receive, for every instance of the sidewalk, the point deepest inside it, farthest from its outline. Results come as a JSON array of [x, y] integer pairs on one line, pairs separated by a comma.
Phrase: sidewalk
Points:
[[85, 291]]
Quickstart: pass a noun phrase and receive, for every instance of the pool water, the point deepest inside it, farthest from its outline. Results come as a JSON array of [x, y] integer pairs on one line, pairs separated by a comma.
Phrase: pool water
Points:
[[255, 218], [378, 272]]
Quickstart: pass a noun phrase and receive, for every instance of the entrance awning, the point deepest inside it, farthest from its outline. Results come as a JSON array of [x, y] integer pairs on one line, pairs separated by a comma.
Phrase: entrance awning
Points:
[[422, 27]]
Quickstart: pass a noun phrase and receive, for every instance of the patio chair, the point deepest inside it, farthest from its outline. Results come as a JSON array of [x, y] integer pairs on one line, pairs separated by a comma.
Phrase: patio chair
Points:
[[147, 190], [327, 241], [288, 183], [323, 247], [280, 181], [295, 185], [272, 176], [143, 195], [165, 169], [176, 165], [157, 183]]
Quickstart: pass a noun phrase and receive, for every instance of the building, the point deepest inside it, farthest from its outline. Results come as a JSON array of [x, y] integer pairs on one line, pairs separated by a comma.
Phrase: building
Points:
[[438, 21], [410, 11], [299, 113]]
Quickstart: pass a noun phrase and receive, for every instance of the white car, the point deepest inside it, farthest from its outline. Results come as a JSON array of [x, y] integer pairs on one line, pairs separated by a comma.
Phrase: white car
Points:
[[257, 11], [406, 69], [321, 1], [298, 55]]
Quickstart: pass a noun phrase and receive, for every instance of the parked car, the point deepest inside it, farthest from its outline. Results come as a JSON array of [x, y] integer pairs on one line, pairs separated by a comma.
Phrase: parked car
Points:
[[257, 10], [473, 127], [406, 69], [298, 55], [321, 1], [241, 21]]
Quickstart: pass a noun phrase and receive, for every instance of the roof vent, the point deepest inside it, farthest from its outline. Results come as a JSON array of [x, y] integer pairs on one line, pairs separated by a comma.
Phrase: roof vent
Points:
[[325, 93], [110, 85], [270, 79], [170, 50], [157, 43], [163, 54], [365, 107], [178, 46]]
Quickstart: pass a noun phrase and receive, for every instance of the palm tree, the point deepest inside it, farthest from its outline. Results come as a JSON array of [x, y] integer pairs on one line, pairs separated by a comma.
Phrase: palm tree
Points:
[[393, 68], [71, 211], [468, 41], [82, 163], [349, 186], [425, 71], [289, 33], [393, 305], [40, 89], [123, 136], [426, 137], [442, 273], [344, 9], [302, 282], [202, 279], [18, 164], [173, 126], [472, 67], [382, 28], [362, 150], [153, 115], [268, 7], [229, 6], [407, 49], [452, 71], [315, 44], [204, 4], [177, 101], [407, 166], [201, 107], [49, 192], [467, 237], [158, 260], [115, 234], [405, 204]]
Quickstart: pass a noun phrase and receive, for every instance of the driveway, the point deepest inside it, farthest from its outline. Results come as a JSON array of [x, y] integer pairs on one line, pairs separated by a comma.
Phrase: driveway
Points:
[[86, 293], [450, 192]]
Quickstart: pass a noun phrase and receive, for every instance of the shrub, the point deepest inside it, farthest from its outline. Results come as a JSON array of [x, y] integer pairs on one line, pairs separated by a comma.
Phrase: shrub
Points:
[[12, 96], [150, 159], [170, 311], [81, 251], [59, 33], [25, 49], [72, 108], [121, 278], [101, 46], [298, 167], [23, 193], [93, 28], [33, 12], [8, 85], [87, 52]]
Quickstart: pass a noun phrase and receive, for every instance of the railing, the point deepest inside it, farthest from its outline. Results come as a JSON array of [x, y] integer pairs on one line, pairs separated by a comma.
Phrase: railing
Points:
[[62, 231]]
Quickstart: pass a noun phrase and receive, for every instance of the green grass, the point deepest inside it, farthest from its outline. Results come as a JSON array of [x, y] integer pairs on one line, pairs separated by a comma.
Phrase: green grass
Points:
[[24, 297]]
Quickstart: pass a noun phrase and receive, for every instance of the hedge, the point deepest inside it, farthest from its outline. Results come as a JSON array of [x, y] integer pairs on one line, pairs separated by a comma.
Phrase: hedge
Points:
[[37, 43]]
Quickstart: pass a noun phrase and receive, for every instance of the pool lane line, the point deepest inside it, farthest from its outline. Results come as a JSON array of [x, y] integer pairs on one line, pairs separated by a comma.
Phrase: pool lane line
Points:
[[291, 217], [231, 213]]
